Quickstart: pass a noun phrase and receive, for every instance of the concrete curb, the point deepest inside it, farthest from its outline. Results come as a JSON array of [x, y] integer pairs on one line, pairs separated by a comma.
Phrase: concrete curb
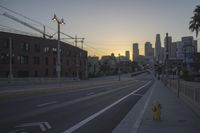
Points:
[[132, 121]]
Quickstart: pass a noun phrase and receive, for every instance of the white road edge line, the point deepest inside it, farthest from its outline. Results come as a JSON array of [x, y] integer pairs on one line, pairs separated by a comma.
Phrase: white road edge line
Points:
[[83, 122], [45, 104], [141, 114], [138, 95], [91, 93]]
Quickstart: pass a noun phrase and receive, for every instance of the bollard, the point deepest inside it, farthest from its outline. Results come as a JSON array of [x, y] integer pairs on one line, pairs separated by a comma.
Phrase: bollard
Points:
[[156, 111]]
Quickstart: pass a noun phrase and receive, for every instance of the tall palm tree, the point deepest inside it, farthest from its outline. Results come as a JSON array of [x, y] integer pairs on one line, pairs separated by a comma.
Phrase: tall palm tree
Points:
[[194, 24]]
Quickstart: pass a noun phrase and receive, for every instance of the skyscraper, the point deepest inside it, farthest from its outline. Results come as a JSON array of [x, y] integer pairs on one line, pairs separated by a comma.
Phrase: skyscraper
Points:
[[148, 49], [158, 48], [173, 50], [127, 54], [135, 51], [189, 45], [179, 52], [170, 47]]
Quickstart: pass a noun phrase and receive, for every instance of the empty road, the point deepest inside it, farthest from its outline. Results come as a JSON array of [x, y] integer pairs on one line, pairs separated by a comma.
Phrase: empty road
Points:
[[95, 106]]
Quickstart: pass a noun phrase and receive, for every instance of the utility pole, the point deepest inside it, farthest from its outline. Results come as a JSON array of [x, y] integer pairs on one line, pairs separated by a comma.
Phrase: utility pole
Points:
[[79, 56], [178, 89], [58, 54], [167, 56], [76, 40], [82, 43], [58, 63], [119, 71], [44, 36], [77, 67], [10, 61]]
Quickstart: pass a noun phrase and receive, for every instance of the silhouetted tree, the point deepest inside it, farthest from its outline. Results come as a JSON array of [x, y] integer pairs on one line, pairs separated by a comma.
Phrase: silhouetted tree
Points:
[[194, 24]]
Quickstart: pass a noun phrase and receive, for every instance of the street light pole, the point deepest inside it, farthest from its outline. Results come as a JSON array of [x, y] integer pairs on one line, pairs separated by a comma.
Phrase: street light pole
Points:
[[166, 59], [58, 64], [10, 60], [119, 72], [58, 54]]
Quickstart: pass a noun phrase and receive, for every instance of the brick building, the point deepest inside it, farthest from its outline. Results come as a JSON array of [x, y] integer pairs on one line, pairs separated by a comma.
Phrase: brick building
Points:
[[37, 57]]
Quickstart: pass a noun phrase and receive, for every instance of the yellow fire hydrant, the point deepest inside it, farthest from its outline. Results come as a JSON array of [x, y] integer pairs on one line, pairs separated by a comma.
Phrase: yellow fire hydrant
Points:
[[156, 111]]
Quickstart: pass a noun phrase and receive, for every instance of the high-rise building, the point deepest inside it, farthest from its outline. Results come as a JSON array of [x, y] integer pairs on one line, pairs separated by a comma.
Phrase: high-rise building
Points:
[[168, 45], [135, 51], [195, 45], [127, 54], [189, 45], [173, 50], [148, 50], [162, 52], [186, 47], [179, 52], [158, 48]]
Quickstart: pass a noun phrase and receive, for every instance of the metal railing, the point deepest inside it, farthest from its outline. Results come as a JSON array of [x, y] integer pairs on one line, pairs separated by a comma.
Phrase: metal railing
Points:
[[188, 91]]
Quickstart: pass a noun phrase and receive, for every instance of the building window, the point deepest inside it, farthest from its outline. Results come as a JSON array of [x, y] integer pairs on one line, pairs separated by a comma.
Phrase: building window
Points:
[[4, 59], [25, 46], [6, 43], [61, 51], [46, 61], [54, 50], [46, 49], [36, 48], [23, 59], [36, 60]]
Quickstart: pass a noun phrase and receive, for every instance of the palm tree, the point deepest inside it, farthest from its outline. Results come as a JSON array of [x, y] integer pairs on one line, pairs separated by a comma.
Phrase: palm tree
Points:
[[194, 24]]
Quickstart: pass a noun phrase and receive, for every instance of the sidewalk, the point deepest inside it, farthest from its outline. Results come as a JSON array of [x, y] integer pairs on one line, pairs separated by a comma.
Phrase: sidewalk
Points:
[[176, 116]]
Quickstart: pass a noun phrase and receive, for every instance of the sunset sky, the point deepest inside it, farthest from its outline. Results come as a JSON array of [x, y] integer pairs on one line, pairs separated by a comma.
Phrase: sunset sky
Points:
[[109, 25]]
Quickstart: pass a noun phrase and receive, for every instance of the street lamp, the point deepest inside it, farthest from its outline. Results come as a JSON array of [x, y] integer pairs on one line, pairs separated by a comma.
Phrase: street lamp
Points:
[[58, 64]]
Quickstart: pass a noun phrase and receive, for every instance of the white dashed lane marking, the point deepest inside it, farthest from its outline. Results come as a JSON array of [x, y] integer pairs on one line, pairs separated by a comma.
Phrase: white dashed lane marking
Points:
[[45, 104]]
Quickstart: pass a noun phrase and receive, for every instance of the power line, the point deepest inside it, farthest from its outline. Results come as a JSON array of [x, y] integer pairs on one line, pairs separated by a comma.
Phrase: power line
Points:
[[13, 30], [95, 49], [21, 15], [90, 50], [35, 21]]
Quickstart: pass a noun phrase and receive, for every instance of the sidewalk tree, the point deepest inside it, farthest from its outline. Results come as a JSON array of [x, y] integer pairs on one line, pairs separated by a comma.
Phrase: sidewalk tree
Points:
[[194, 24]]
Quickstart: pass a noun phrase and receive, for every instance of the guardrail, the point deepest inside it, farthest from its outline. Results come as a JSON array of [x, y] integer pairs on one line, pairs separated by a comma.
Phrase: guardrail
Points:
[[188, 91]]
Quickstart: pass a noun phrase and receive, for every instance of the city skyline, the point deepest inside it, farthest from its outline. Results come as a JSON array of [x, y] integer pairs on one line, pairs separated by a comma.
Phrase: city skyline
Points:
[[110, 26]]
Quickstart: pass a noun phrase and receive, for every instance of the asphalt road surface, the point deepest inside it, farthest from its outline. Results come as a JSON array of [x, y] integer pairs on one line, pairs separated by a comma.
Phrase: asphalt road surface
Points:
[[86, 108]]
